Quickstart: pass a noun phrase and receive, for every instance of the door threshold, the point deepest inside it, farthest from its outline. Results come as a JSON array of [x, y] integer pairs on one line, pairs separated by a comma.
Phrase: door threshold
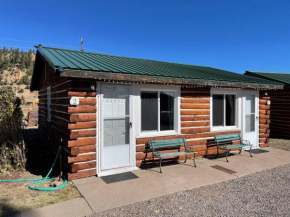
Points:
[[117, 171]]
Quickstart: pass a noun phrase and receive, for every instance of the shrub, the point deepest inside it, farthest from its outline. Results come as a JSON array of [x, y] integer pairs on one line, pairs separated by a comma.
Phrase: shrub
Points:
[[29, 72], [20, 91], [26, 80], [12, 146]]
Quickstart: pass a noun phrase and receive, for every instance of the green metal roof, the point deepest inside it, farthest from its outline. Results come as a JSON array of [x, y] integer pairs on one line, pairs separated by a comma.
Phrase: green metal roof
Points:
[[283, 78], [70, 60]]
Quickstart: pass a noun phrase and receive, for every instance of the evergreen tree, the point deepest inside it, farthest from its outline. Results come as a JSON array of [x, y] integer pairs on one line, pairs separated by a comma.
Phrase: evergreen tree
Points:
[[5, 64], [25, 80], [22, 61], [5, 50]]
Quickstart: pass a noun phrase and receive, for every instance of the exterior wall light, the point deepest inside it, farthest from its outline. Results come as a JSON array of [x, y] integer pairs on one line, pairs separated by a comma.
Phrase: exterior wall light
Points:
[[93, 87], [268, 102], [266, 93]]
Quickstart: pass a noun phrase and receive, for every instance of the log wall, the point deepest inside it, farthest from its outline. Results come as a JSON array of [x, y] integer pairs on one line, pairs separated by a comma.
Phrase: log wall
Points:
[[72, 127], [280, 113], [264, 120], [195, 126]]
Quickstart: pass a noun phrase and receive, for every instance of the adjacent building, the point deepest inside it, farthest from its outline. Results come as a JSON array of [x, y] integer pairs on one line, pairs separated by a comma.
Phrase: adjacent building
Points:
[[280, 103]]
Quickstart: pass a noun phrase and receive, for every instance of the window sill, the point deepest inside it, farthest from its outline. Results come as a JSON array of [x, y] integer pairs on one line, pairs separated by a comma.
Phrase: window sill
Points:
[[223, 129], [159, 134]]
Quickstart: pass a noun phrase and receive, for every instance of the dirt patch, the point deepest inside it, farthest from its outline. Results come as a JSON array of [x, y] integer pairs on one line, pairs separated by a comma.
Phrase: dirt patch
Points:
[[283, 144], [17, 197]]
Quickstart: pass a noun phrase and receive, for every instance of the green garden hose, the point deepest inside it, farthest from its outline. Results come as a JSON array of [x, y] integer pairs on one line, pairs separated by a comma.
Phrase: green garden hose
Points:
[[38, 181]]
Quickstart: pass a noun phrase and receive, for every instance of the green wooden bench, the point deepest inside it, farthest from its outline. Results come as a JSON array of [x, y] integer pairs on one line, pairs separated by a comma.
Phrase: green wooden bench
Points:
[[159, 145], [223, 140]]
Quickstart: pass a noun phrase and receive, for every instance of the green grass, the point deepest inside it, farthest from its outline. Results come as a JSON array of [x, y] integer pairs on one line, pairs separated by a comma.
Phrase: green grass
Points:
[[17, 197]]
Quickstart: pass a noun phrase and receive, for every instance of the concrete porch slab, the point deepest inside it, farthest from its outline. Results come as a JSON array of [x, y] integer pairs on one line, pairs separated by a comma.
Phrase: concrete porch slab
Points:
[[177, 177]]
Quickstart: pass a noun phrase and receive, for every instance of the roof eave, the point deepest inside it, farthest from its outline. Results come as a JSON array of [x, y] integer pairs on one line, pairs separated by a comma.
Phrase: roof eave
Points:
[[110, 76]]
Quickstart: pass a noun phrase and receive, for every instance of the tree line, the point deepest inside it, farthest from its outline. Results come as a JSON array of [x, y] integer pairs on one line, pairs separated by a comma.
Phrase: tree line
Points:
[[13, 57]]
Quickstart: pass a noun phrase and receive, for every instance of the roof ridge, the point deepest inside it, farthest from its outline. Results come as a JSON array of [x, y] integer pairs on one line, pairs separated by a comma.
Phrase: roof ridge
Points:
[[263, 72]]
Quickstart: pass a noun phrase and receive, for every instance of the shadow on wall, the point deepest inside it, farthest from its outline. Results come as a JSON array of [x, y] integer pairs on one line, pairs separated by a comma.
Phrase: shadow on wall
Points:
[[40, 153]]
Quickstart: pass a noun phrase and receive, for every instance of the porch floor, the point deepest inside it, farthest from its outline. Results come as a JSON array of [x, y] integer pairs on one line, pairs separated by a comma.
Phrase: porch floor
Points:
[[175, 177]]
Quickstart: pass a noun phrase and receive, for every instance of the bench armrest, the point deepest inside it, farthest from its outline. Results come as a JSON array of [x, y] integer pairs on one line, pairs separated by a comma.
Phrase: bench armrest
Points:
[[156, 153], [190, 149], [246, 142]]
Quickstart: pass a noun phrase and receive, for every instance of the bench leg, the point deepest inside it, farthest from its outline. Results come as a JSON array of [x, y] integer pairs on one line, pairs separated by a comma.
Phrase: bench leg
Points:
[[251, 152], [227, 155], [152, 162], [185, 159], [217, 152], [240, 151], [160, 165], [194, 164]]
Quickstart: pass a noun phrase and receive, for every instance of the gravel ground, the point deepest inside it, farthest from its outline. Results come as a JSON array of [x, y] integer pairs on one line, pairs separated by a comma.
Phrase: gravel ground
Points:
[[266, 193]]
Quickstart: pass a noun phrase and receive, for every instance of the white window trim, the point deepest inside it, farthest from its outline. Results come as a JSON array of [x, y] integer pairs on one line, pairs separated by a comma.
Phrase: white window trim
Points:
[[238, 94], [48, 103], [145, 87]]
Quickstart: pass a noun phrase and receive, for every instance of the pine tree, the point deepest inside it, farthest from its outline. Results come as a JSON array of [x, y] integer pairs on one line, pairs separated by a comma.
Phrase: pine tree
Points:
[[5, 50], [22, 60], [5, 63]]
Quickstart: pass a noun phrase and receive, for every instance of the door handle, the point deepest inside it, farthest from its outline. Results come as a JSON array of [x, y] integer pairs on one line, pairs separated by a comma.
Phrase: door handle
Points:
[[257, 118], [130, 124]]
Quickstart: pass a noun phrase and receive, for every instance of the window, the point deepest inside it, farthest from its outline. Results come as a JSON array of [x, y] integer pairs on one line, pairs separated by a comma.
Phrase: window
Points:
[[157, 111], [48, 103], [223, 110], [250, 113]]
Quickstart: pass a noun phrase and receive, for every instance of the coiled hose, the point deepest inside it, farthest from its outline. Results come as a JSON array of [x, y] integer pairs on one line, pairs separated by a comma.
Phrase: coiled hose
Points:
[[36, 182]]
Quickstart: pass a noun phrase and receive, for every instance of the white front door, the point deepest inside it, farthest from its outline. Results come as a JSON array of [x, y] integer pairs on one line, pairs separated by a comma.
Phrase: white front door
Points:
[[251, 117], [115, 126]]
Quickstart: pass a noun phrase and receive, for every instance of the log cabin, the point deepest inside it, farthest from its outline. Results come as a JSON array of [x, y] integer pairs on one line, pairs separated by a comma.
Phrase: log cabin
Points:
[[280, 103], [103, 109]]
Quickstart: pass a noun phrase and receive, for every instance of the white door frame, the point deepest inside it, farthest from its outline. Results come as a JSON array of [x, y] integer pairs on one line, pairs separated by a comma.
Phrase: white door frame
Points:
[[99, 130], [257, 115]]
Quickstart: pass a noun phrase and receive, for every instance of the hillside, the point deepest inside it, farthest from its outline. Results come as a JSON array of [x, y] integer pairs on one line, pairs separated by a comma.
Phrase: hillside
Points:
[[16, 70]]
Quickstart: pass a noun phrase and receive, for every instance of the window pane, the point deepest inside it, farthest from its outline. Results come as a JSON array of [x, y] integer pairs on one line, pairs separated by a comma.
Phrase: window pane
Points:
[[230, 110], [166, 111], [149, 111], [218, 110], [250, 123], [250, 104]]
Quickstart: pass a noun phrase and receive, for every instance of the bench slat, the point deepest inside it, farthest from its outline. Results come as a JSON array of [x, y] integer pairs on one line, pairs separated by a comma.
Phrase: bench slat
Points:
[[167, 141], [174, 154], [227, 137], [234, 146]]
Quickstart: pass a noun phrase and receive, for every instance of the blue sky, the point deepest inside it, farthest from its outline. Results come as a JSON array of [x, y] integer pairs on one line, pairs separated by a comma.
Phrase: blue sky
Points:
[[234, 35]]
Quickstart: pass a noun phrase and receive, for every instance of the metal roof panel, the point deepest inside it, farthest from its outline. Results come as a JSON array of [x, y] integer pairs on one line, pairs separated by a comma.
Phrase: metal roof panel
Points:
[[95, 62]]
